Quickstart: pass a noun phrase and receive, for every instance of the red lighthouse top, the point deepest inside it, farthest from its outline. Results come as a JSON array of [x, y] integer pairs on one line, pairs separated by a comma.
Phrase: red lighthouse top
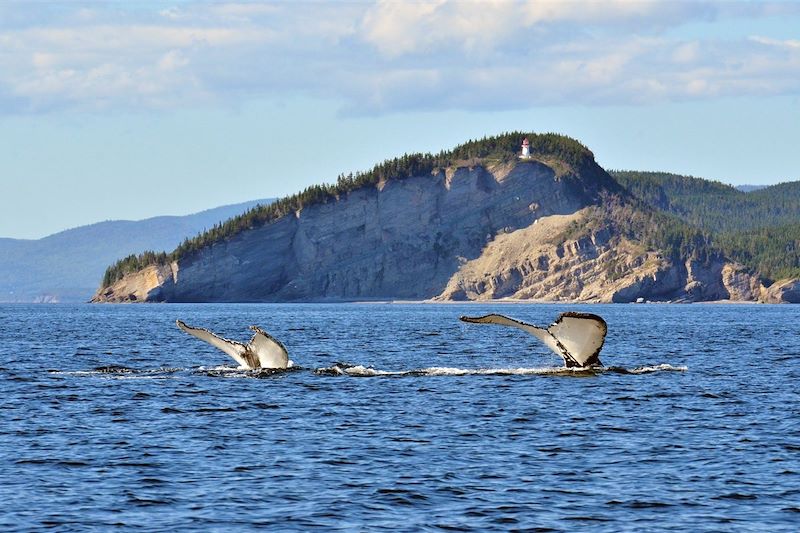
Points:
[[525, 142]]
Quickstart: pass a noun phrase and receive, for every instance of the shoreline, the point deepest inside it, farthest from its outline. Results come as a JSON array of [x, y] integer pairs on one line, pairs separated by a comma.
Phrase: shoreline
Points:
[[401, 301]]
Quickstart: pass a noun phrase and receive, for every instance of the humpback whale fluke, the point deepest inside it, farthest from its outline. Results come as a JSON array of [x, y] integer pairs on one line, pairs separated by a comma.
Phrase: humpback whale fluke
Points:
[[577, 337], [263, 350]]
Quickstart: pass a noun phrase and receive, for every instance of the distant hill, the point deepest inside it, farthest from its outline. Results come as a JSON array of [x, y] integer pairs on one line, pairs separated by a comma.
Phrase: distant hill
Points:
[[750, 188], [67, 266], [715, 206]]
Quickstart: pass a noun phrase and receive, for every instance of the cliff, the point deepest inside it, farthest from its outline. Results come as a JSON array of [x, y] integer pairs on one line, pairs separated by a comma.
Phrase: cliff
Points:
[[138, 287], [398, 239], [601, 265], [476, 223]]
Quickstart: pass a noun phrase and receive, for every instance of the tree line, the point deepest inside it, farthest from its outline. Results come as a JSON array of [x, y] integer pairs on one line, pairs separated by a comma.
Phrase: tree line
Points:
[[505, 147]]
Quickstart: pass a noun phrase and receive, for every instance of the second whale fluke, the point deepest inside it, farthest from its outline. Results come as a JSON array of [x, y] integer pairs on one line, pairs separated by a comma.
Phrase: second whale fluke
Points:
[[576, 337], [263, 350]]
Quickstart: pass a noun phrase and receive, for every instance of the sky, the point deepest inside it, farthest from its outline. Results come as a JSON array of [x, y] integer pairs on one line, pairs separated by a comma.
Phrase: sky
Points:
[[127, 110]]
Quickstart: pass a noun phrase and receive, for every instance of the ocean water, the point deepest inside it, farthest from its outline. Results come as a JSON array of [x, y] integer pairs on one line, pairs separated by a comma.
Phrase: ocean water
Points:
[[398, 417]]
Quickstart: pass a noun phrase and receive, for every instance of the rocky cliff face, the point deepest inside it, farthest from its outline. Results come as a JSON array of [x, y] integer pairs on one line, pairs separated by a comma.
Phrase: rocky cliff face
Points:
[[783, 291], [142, 286], [534, 263], [401, 239], [468, 233]]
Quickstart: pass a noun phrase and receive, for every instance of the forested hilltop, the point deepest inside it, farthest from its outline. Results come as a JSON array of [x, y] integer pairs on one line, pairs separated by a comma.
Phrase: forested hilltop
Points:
[[710, 205], [568, 156], [760, 229]]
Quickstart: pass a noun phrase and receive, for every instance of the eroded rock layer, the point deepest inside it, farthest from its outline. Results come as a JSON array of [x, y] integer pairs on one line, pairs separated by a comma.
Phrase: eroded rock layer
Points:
[[537, 263]]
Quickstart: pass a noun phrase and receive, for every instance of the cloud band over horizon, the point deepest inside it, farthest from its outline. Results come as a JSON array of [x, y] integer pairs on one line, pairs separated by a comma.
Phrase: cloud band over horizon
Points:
[[385, 57]]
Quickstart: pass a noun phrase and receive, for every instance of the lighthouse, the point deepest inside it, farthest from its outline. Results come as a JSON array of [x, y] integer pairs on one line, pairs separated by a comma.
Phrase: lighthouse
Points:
[[526, 149]]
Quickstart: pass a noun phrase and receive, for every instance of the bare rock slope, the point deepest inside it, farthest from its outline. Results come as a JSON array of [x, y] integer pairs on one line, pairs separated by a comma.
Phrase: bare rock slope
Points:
[[537, 263]]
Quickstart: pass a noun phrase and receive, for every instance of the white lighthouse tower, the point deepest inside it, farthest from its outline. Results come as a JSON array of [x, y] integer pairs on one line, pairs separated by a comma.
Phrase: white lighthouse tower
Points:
[[526, 149]]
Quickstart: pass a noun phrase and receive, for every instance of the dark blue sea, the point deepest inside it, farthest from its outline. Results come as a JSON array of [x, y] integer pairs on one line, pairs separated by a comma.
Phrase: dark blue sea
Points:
[[398, 417]]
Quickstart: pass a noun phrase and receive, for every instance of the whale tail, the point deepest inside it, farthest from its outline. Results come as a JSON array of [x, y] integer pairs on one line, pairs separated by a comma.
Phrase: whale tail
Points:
[[271, 352], [576, 337], [263, 350]]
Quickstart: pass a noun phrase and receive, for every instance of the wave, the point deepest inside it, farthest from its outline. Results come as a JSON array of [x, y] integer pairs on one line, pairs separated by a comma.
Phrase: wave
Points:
[[238, 372], [121, 372], [354, 370], [658, 368], [345, 369]]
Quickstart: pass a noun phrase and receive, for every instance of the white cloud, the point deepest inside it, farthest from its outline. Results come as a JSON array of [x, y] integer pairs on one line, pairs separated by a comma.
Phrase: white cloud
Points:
[[792, 44], [242, 12], [399, 28], [134, 38], [686, 53], [386, 56], [172, 60]]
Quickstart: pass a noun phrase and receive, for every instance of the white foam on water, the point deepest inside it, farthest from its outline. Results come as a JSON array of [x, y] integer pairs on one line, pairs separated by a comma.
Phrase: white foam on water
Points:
[[224, 371], [120, 372], [658, 368], [363, 371], [222, 368], [445, 371], [138, 375]]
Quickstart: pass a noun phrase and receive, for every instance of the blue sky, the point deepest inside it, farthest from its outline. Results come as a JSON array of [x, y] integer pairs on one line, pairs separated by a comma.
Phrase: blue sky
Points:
[[136, 109]]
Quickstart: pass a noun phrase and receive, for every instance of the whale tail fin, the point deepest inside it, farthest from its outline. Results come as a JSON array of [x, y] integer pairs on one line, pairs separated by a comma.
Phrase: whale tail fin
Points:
[[576, 337], [263, 350], [236, 350], [582, 335], [271, 352]]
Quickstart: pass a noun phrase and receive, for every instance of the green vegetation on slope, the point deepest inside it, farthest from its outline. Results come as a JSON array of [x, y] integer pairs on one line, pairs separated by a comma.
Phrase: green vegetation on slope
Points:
[[500, 148], [774, 252], [760, 229], [712, 205], [133, 263], [654, 229]]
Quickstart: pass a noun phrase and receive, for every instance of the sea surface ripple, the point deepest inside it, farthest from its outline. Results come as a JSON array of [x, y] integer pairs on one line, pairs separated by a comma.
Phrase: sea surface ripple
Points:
[[398, 417]]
